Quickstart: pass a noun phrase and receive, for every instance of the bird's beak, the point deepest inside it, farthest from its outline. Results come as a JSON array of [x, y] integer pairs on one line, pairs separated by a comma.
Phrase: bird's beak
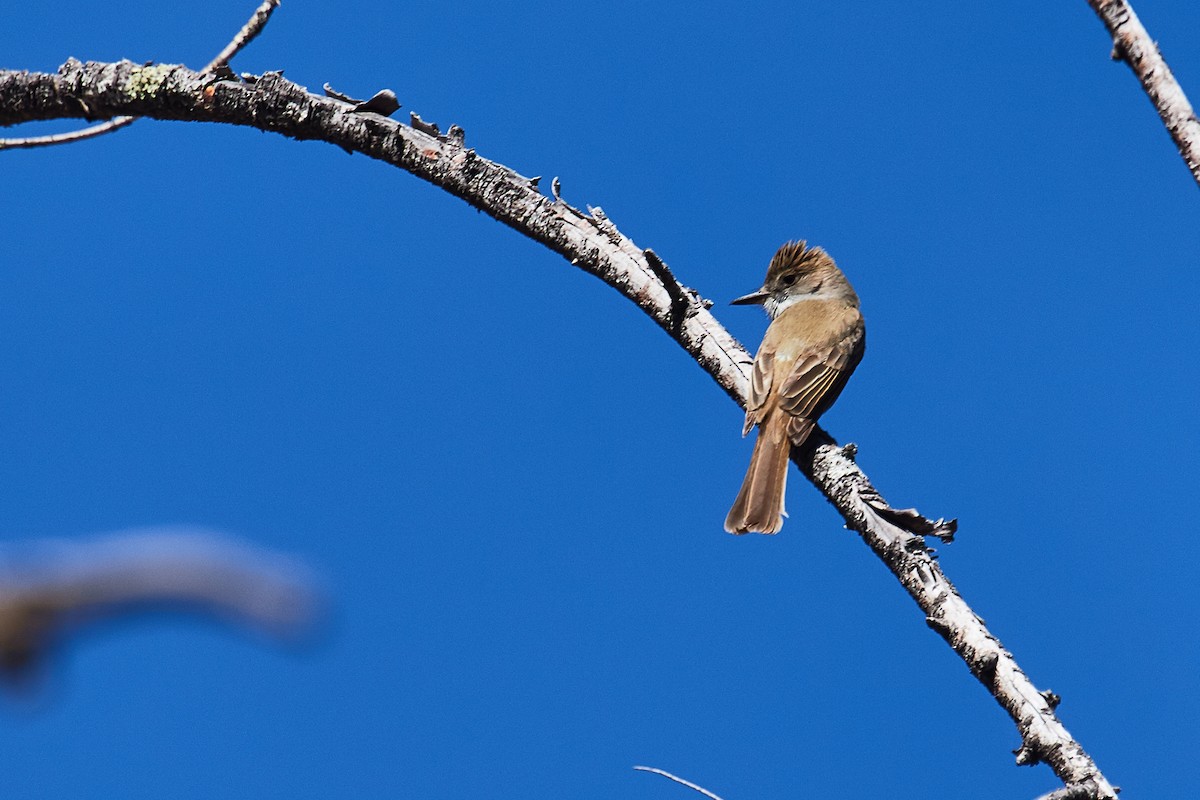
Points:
[[752, 299]]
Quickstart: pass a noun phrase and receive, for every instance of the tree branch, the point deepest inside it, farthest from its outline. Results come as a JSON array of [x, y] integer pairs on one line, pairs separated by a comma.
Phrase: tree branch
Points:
[[48, 587], [1132, 44], [90, 132], [593, 243], [247, 34]]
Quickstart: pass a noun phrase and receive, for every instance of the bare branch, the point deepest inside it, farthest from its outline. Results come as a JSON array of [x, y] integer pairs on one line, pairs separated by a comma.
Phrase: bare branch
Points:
[[66, 138], [252, 28], [1133, 44], [593, 243], [678, 779], [48, 588], [249, 31]]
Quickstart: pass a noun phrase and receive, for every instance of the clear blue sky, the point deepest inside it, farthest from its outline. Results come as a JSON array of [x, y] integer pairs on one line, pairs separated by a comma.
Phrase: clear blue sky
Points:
[[514, 483]]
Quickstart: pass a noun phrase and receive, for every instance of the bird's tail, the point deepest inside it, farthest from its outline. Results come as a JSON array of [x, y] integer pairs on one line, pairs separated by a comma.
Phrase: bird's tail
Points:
[[759, 505]]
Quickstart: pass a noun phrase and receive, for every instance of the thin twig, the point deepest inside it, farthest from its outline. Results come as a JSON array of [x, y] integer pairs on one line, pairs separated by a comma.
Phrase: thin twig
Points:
[[252, 28], [678, 779], [25, 142], [1132, 44], [246, 35], [894, 536]]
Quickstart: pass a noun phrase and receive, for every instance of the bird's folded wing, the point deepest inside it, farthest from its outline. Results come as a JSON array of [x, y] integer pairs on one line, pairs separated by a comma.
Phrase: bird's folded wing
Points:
[[817, 379], [760, 386]]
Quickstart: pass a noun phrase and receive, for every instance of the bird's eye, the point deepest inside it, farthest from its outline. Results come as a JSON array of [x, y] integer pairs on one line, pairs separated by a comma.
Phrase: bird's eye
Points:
[[788, 280]]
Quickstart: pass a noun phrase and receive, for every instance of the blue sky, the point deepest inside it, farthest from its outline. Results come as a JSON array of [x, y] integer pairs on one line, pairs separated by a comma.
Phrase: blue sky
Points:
[[514, 483]]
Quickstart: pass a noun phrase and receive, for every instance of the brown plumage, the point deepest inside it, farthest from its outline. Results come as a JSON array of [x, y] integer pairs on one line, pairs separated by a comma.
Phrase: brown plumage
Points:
[[815, 340]]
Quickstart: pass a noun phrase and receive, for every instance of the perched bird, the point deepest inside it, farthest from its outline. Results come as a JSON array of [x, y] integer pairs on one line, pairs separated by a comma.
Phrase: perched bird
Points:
[[815, 340]]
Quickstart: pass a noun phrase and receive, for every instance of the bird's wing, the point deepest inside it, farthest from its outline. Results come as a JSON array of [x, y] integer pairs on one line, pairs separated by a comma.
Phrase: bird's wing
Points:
[[815, 382], [760, 386]]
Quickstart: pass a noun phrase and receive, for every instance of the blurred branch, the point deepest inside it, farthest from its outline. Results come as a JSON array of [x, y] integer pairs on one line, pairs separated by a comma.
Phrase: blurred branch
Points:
[[593, 243], [1133, 45], [49, 588], [247, 34]]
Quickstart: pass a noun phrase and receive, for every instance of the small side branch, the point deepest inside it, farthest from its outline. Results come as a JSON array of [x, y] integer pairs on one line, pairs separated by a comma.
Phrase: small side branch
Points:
[[1133, 45], [253, 27], [676, 290], [26, 142], [246, 35]]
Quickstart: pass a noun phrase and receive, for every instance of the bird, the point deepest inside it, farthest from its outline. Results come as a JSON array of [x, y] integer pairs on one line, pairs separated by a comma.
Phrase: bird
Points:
[[815, 340]]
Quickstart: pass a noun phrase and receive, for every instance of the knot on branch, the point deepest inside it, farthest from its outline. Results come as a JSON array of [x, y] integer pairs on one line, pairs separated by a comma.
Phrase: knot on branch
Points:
[[940, 626], [1032, 751], [986, 669], [429, 128], [680, 301], [384, 103]]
